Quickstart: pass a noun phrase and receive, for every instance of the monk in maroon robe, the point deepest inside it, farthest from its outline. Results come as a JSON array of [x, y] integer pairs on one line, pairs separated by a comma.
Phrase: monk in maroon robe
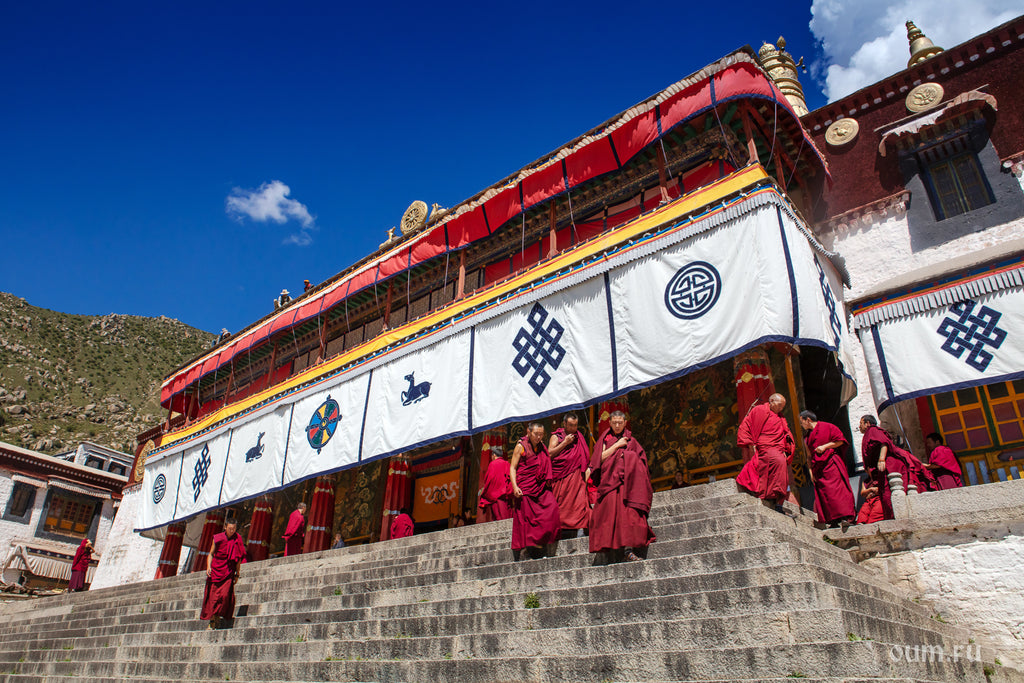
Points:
[[535, 524], [833, 497], [227, 553], [80, 565], [943, 463], [496, 491], [871, 509], [881, 456], [402, 526], [618, 523], [569, 459], [295, 532], [766, 432]]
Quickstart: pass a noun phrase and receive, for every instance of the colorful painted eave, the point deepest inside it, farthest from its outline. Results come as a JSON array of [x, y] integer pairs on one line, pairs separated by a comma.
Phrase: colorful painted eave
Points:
[[601, 151], [696, 205]]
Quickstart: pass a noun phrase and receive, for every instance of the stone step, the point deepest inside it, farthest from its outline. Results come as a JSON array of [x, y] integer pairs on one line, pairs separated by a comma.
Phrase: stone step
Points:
[[862, 659]]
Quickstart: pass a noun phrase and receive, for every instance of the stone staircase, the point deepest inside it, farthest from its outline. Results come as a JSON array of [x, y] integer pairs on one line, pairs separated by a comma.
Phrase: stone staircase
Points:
[[731, 591]]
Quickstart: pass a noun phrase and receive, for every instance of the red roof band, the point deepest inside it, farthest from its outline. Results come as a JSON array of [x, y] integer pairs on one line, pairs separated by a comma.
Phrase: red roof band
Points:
[[604, 153]]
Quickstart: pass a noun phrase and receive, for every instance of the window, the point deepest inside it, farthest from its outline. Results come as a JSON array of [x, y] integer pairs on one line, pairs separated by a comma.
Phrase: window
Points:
[[69, 516], [956, 183], [93, 461], [19, 505], [117, 469], [981, 418]]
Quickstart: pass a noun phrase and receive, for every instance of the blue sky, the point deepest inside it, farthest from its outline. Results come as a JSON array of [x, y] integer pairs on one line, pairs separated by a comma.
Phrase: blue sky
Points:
[[126, 127]]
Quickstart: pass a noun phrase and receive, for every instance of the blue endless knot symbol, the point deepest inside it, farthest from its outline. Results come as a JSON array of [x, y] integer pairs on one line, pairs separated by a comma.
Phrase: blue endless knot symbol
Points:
[[830, 304], [202, 465], [966, 330], [693, 290], [537, 348], [159, 488]]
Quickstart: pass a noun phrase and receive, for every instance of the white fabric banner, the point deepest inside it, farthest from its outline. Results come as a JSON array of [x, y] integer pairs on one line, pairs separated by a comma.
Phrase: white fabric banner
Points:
[[643, 314], [160, 491], [326, 429], [543, 356], [701, 299], [973, 342], [419, 398], [202, 472], [256, 457]]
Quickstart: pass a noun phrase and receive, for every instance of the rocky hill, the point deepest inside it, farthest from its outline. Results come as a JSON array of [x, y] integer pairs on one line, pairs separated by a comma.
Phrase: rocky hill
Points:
[[66, 378]]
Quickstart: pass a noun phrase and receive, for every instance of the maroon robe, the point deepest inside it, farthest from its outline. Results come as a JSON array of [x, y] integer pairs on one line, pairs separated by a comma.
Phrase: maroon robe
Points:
[[219, 597], [569, 486], [496, 498], [535, 513], [773, 446], [948, 474], [402, 526], [79, 567], [833, 497], [896, 460], [871, 511], [624, 495], [294, 534]]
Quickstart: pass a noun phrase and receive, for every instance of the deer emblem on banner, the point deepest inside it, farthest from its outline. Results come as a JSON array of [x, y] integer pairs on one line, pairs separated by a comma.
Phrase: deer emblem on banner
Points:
[[415, 392]]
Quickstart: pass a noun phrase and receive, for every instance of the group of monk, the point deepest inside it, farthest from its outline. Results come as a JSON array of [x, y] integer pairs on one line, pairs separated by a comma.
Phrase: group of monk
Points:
[[559, 486], [768, 448]]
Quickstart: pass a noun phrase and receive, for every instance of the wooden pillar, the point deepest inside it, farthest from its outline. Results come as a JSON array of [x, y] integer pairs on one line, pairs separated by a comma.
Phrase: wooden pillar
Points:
[[171, 552], [396, 493], [211, 527], [800, 456], [659, 157], [749, 133], [258, 544], [552, 231], [321, 516], [387, 306], [461, 287]]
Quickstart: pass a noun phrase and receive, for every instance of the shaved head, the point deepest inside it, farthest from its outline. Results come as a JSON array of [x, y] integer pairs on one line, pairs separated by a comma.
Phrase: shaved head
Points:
[[777, 403]]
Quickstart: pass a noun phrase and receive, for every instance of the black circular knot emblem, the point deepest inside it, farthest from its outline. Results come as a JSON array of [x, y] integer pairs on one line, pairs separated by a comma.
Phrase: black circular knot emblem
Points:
[[159, 488], [693, 290]]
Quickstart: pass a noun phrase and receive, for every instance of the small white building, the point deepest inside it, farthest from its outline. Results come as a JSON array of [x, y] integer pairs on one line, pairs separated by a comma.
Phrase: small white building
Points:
[[49, 505]]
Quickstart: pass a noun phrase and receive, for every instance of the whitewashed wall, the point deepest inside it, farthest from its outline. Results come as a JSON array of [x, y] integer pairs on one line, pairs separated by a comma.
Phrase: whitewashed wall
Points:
[[878, 249], [12, 533], [127, 557]]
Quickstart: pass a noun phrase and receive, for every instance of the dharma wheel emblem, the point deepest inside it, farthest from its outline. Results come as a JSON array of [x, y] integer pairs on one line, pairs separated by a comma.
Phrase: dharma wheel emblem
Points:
[[693, 290], [159, 488], [323, 423]]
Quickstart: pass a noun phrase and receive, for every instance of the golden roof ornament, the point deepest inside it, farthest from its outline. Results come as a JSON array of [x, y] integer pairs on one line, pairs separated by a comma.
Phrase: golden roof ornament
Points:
[[921, 46], [414, 218], [782, 69]]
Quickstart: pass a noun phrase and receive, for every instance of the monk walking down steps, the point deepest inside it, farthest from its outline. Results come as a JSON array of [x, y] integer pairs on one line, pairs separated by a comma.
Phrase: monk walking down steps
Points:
[[227, 553], [618, 523], [535, 524]]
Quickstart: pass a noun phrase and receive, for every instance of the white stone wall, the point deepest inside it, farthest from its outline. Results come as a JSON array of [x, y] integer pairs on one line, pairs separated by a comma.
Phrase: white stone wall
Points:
[[127, 557], [977, 584], [12, 533], [877, 249]]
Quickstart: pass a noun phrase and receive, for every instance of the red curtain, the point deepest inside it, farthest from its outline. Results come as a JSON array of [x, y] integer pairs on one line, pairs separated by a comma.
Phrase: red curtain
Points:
[[397, 493], [753, 381], [168, 564], [211, 527], [258, 545], [321, 516]]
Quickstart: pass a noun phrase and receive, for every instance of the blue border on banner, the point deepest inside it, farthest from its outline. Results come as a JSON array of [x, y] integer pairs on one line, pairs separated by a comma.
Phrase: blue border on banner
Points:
[[227, 454], [177, 489], [1013, 376], [362, 427], [611, 332], [287, 441], [882, 365], [469, 401], [794, 300], [529, 416]]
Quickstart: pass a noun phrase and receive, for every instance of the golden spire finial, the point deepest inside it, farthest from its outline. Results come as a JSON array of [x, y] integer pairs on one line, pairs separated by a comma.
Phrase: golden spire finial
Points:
[[921, 47], [782, 69]]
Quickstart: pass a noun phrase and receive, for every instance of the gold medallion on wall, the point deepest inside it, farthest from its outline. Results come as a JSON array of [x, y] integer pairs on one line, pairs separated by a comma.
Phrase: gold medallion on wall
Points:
[[924, 97], [140, 462], [842, 132]]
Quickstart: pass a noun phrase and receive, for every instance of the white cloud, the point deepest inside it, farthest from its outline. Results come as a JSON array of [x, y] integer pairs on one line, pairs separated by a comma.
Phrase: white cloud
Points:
[[864, 41], [270, 203]]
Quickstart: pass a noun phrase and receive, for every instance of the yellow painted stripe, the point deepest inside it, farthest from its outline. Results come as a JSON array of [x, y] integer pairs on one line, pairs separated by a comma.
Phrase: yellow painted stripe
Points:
[[686, 204]]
